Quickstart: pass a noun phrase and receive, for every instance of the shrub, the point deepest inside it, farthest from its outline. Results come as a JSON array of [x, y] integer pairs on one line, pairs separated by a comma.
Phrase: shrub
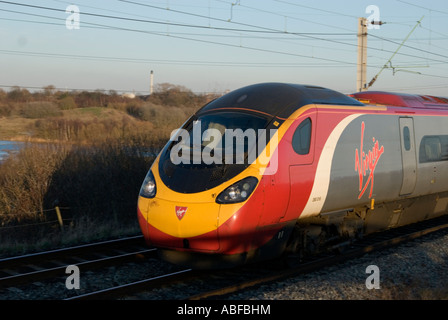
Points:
[[135, 111], [90, 131], [5, 110], [40, 109], [96, 187], [19, 95], [25, 178], [2, 95], [67, 103]]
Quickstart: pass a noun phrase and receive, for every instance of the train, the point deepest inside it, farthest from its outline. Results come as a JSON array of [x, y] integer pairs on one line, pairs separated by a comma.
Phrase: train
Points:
[[305, 167]]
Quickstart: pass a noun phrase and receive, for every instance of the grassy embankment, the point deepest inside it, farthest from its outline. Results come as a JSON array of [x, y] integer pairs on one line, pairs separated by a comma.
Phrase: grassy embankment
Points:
[[88, 155]]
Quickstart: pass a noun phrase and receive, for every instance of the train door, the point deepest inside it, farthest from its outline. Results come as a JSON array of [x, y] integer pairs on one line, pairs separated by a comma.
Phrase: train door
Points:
[[301, 160], [408, 155]]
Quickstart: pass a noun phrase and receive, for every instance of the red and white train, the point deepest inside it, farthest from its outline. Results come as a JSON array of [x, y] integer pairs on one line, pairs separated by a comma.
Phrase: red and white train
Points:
[[341, 167]]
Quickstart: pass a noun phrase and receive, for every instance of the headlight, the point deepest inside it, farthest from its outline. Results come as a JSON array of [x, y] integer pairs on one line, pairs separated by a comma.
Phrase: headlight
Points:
[[238, 192], [148, 189]]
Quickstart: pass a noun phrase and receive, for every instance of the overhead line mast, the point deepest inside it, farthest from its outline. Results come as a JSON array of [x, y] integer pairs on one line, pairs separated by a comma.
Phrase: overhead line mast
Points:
[[362, 55], [361, 75]]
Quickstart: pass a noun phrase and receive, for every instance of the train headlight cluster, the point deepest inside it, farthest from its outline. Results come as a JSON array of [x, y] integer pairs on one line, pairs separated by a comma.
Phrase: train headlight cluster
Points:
[[238, 192], [149, 188]]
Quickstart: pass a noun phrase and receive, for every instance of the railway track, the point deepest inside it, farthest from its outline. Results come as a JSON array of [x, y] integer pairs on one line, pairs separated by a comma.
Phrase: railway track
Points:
[[178, 283], [39, 266], [145, 284], [219, 284]]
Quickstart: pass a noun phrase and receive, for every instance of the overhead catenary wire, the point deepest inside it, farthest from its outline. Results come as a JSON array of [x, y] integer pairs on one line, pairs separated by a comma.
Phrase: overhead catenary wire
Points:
[[93, 25], [308, 35], [248, 31], [393, 55], [102, 26], [185, 25], [422, 7], [262, 29], [194, 39], [169, 61]]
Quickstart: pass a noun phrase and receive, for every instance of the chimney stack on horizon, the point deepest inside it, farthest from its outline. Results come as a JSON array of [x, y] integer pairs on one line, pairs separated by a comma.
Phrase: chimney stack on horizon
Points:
[[151, 84]]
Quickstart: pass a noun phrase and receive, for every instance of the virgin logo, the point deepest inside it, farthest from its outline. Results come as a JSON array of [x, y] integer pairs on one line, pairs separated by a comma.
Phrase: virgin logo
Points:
[[180, 212], [365, 164]]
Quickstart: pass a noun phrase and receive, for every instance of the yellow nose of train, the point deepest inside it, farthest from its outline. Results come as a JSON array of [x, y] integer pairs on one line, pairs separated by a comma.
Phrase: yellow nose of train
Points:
[[197, 231], [176, 223], [194, 221]]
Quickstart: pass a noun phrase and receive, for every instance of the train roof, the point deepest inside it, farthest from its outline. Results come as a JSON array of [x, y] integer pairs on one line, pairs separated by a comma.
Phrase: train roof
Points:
[[401, 99], [277, 99]]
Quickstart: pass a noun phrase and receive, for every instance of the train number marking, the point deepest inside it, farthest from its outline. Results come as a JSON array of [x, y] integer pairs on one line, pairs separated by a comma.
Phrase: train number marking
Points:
[[367, 162], [317, 199]]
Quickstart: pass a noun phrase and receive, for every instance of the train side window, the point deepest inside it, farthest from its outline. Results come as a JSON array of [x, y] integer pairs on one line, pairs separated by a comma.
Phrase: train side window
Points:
[[407, 138], [301, 139], [434, 148]]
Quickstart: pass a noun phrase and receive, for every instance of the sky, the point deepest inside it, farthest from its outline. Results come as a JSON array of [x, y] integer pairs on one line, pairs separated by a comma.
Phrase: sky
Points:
[[221, 45]]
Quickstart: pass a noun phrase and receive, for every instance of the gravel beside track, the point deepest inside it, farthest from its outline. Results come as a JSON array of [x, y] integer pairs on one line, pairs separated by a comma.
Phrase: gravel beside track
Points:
[[90, 280], [415, 270]]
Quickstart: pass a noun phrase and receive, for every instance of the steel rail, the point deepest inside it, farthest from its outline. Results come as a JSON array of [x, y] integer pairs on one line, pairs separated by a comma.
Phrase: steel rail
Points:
[[130, 288], [50, 254], [36, 264]]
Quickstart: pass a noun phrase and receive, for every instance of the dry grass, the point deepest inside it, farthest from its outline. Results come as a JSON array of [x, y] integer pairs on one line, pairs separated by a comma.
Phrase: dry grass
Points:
[[15, 128], [96, 187], [96, 152]]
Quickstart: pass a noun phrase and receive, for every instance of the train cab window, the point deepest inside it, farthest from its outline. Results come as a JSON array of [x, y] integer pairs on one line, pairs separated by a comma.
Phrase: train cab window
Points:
[[301, 139]]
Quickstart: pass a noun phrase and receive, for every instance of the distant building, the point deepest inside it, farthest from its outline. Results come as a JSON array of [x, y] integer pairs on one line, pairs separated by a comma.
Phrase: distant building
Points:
[[128, 95]]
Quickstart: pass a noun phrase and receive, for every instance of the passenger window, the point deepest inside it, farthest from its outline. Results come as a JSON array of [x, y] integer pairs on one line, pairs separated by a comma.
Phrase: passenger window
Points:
[[407, 138], [434, 148], [302, 137]]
